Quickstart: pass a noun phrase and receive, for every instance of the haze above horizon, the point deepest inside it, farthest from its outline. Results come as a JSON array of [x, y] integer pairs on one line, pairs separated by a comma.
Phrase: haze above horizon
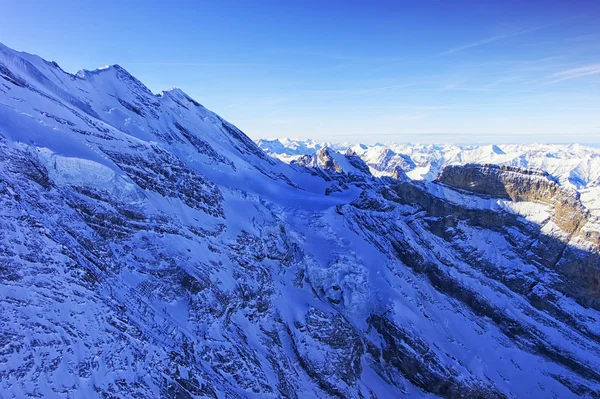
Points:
[[428, 71]]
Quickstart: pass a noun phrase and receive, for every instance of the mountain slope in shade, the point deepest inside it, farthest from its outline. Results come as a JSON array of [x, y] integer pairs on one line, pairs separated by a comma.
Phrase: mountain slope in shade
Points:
[[148, 249]]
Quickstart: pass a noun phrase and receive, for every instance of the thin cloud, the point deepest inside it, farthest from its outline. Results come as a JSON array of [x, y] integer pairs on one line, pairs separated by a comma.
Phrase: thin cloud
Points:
[[590, 37], [458, 86], [269, 100], [369, 90], [494, 39], [339, 57], [574, 73], [473, 44], [201, 64]]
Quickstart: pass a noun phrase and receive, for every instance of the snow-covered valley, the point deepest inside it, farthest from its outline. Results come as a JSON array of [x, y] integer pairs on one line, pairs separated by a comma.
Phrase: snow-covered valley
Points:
[[149, 248]]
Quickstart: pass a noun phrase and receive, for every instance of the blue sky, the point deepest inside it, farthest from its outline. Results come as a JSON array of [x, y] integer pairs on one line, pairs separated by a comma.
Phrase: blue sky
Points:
[[420, 71]]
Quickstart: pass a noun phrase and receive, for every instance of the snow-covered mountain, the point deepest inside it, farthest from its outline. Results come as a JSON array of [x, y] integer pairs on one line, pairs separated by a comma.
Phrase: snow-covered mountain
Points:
[[149, 249], [574, 165], [289, 149]]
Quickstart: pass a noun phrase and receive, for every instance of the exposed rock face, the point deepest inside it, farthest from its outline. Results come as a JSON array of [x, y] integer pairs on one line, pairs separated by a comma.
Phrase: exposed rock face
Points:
[[389, 161], [327, 165], [459, 228], [568, 213], [152, 169], [357, 162], [149, 249], [503, 182], [580, 269], [521, 185], [326, 161], [399, 174]]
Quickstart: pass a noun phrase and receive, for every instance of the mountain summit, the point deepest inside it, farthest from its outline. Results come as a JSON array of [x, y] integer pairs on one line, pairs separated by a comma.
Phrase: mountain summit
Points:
[[149, 248]]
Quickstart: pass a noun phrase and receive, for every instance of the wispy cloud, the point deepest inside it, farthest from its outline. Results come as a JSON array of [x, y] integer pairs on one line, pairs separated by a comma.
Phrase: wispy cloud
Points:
[[338, 56], [263, 101], [590, 37], [574, 73], [473, 44], [202, 64], [493, 39], [369, 90], [459, 85]]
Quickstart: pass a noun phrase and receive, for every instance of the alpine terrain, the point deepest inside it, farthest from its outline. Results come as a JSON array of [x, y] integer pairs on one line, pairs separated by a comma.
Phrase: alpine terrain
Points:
[[149, 248]]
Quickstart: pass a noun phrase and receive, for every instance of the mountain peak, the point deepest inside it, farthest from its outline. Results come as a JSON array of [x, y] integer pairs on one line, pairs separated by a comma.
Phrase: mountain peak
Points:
[[179, 94], [85, 73]]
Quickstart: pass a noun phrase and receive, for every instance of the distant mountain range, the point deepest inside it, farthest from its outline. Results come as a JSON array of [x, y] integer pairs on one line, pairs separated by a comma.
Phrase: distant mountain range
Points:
[[574, 166]]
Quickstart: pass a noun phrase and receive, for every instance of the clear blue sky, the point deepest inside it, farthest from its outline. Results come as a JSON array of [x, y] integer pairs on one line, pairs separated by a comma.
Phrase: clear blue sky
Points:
[[424, 71]]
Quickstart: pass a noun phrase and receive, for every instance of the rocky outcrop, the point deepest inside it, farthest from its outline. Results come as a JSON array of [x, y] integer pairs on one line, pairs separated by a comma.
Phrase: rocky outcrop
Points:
[[520, 185], [389, 161], [409, 240], [500, 181], [579, 267], [399, 174], [326, 162], [325, 165]]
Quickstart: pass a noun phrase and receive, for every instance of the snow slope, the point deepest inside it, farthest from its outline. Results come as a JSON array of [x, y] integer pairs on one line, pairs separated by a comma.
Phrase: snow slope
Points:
[[148, 249]]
